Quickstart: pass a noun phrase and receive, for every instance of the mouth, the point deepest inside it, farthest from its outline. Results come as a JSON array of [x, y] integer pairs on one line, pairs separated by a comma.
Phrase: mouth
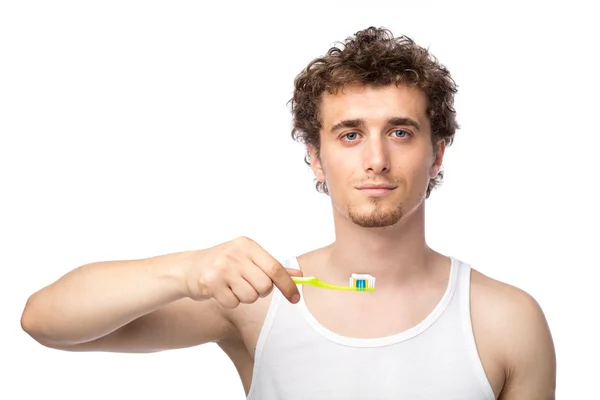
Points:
[[376, 190]]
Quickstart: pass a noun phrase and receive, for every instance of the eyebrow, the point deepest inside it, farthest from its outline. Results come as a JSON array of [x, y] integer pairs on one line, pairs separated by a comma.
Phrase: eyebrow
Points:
[[356, 123]]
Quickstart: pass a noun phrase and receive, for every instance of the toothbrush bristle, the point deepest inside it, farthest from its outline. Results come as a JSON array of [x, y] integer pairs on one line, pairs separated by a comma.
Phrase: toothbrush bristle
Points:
[[362, 282]]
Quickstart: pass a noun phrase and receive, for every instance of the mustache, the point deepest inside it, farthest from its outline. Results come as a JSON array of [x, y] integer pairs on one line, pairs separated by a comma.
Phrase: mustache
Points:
[[375, 181]]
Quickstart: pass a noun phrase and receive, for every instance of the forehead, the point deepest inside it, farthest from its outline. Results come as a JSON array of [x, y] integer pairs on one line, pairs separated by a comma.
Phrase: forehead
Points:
[[374, 104]]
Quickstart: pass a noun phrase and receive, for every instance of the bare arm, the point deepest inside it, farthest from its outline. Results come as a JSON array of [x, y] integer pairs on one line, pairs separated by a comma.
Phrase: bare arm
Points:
[[530, 353], [125, 306], [164, 302]]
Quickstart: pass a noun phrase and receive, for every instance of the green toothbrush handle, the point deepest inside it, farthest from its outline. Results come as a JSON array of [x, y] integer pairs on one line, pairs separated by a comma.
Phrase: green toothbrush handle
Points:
[[311, 280]]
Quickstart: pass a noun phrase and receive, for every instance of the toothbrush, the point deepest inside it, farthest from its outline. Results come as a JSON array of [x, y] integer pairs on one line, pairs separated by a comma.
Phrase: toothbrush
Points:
[[357, 283]]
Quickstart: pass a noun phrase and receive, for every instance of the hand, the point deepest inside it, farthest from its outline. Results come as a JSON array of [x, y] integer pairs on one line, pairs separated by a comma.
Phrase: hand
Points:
[[238, 271]]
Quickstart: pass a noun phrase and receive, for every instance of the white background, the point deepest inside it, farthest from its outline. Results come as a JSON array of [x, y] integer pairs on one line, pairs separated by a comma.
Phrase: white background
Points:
[[132, 129]]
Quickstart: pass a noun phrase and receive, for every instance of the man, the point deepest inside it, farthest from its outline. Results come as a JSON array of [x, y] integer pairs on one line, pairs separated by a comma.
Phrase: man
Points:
[[376, 116]]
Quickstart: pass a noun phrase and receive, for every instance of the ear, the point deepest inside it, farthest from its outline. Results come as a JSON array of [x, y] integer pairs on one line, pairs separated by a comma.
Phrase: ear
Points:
[[438, 158], [315, 164]]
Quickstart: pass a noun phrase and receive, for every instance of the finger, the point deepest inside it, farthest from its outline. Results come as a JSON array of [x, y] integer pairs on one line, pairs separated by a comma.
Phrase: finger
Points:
[[258, 280], [276, 272], [243, 290], [227, 298], [294, 272]]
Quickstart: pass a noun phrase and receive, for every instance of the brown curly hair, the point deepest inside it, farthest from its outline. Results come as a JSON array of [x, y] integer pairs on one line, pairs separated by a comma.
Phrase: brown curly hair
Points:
[[374, 57]]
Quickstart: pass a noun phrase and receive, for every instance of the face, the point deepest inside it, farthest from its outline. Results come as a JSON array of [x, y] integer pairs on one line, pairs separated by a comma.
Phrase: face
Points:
[[376, 152]]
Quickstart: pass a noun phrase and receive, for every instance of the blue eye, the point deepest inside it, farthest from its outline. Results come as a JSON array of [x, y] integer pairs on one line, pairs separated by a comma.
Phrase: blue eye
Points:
[[403, 133], [349, 134]]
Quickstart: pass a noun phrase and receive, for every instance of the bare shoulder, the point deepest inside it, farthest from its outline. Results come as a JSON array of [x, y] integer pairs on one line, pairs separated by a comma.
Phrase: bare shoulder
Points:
[[509, 304], [513, 339]]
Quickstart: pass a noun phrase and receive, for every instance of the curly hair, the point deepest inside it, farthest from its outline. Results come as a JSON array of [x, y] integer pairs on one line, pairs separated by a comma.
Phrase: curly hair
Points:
[[374, 57]]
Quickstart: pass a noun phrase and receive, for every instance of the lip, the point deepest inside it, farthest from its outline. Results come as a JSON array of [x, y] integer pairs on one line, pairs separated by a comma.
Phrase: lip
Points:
[[375, 186], [376, 190]]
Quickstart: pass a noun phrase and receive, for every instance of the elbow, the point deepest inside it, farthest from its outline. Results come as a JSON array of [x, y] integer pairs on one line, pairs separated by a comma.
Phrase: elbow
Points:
[[41, 325], [32, 322]]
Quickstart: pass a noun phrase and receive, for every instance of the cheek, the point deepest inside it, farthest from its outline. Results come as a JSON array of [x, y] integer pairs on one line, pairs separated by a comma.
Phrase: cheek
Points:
[[334, 167], [338, 173], [421, 175], [416, 172]]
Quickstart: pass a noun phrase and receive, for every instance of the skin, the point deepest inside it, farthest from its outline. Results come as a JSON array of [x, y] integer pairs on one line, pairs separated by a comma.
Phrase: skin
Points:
[[178, 300]]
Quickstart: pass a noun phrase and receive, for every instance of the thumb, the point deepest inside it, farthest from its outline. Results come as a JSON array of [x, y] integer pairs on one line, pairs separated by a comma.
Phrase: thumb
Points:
[[294, 272]]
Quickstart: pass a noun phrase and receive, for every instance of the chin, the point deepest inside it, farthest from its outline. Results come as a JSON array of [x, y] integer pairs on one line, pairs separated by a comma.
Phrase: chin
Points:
[[375, 215]]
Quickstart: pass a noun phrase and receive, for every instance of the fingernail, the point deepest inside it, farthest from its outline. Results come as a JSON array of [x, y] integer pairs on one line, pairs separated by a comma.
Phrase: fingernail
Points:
[[295, 298]]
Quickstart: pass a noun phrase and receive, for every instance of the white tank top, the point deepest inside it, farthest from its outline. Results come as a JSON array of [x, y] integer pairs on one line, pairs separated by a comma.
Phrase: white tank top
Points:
[[297, 358]]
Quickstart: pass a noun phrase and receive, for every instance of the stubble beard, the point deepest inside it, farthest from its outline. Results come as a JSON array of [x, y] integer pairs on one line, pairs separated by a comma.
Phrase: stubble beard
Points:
[[378, 217]]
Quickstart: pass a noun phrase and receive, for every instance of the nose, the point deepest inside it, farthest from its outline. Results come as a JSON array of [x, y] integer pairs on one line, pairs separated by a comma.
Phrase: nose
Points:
[[376, 155]]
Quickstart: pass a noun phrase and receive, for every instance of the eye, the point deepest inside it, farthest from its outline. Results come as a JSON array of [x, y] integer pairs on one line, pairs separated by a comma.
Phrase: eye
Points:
[[350, 136], [400, 133]]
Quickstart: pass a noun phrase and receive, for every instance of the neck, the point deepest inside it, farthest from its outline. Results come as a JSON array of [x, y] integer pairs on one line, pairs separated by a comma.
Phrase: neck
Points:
[[392, 255]]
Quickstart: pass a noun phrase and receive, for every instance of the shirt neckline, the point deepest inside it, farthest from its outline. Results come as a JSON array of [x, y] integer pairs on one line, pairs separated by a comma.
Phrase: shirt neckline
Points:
[[384, 340]]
